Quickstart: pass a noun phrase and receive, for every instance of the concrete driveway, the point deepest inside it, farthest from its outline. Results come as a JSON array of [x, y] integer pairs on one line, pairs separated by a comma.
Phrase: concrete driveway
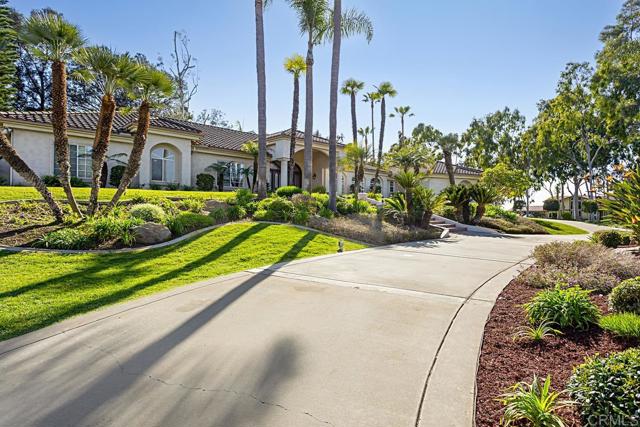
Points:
[[380, 337]]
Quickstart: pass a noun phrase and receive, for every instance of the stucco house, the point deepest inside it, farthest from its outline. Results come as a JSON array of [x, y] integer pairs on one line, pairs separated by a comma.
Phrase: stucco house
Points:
[[177, 151]]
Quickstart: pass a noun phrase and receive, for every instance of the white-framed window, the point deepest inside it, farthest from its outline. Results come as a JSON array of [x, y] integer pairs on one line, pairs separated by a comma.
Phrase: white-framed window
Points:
[[372, 185], [163, 165], [392, 187], [233, 176], [80, 160]]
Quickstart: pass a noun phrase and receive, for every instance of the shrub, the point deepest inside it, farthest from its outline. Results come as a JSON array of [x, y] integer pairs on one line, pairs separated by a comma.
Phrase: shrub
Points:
[[325, 212], [321, 198], [166, 204], [205, 182], [109, 228], [173, 186], [493, 211], [251, 208], [192, 204], [623, 204], [261, 215], [186, 222], [568, 308], [66, 238], [567, 216], [587, 278], [626, 297], [319, 189], [277, 209], [300, 217], [235, 212], [578, 254], [288, 191], [116, 175], [350, 205], [608, 238], [243, 197], [519, 226], [626, 325], [535, 403], [51, 181], [536, 333], [219, 215], [551, 205], [305, 202], [148, 212], [607, 389]]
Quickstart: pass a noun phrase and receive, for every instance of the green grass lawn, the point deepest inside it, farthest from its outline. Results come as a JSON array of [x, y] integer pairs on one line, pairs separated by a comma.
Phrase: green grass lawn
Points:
[[30, 193], [558, 228], [38, 289]]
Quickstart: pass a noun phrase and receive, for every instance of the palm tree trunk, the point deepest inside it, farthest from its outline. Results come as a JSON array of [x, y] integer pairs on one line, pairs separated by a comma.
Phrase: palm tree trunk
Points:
[[480, 210], [100, 147], [9, 154], [448, 164], [262, 102], [373, 131], [294, 127], [59, 124], [383, 117], [333, 106], [402, 126], [308, 120], [135, 157], [255, 175], [354, 118]]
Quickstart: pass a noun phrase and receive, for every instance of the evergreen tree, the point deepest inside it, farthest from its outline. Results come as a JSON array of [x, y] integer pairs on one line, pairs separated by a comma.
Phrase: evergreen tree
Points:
[[8, 57]]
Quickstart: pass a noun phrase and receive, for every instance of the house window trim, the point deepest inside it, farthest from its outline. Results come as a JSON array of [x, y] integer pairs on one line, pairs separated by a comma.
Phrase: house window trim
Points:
[[84, 157], [164, 161]]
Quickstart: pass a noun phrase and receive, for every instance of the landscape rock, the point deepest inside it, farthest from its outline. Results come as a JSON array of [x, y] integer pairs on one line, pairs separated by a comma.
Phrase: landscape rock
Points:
[[151, 233]]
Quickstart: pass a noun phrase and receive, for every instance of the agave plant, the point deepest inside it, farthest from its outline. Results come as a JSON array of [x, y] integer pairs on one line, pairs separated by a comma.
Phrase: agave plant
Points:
[[535, 403], [483, 196]]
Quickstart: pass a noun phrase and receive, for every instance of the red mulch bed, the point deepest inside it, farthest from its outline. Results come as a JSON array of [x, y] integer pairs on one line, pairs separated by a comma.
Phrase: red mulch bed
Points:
[[504, 362]]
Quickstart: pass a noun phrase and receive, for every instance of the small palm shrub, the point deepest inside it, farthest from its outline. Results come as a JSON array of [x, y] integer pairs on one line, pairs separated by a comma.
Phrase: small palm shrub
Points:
[[205, 182], [288, 191], [625, 298], [483, 196], [66, 238], [536, 333], [459, 197], [235, 212], [568, 308], [535, 403], [148, 212], [607, 390], [425, 201], [191, 204], [626, 325], [395, 208], [186, 222], [219, 215]]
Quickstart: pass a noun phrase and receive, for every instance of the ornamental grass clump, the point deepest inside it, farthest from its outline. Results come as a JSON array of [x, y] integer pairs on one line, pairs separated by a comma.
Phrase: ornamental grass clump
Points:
[[148, 212], [625, 325], [607, 389], [566, 307]]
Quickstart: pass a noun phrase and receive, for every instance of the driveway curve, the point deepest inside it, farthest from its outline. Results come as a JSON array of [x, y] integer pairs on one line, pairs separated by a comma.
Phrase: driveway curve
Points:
[[385, 336]]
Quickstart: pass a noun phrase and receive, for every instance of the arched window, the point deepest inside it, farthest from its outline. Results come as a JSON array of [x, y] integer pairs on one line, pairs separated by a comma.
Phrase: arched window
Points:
[[163, 165]]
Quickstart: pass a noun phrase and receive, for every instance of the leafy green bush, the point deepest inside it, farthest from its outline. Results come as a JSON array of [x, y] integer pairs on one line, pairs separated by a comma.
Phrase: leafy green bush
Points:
[[535, 403], [568, 308], [625, 298], [300, 217], [191, 204], [347, 205], [236, 212], [219, 215], [251, 208], [567, 216], [493, 211], [321, 198], [325, 212], [305, 202], [116, 175], [551, 205], [288, 191], [66, 238], [148, 212], [110, 228], [205, 182], [607, 389], [319, 189], [276, 209], [623, 204], [243, 197], [608, 238], [186, 222], [626, 325], [167, 205]]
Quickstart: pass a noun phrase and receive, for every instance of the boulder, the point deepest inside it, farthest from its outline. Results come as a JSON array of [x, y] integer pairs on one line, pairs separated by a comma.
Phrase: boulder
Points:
[[150, 233], [211, 205]]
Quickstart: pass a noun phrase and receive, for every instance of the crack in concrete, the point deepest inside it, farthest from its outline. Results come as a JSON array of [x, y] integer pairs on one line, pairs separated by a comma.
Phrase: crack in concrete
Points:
[[123, 371]]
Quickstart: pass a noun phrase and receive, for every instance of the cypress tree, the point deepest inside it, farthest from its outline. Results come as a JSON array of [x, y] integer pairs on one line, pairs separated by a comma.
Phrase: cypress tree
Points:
[[8, 57]]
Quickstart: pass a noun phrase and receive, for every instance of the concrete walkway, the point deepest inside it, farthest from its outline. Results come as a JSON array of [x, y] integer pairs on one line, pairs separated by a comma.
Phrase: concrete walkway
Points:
[[380, 337]]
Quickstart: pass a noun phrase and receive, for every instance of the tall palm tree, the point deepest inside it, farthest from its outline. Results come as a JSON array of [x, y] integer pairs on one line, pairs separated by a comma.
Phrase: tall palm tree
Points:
[[385, 89], [262, 99], [9, 154], [364, 133], [402, 112], [54, 39], [252, 148], [315, 19], [333, 106], [149, 86], [295, 65], [372, 98], [110, 71], [351, 87]]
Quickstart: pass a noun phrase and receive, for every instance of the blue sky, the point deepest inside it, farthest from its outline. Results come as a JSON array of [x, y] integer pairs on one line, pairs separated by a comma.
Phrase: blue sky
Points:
[[449, 60]]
